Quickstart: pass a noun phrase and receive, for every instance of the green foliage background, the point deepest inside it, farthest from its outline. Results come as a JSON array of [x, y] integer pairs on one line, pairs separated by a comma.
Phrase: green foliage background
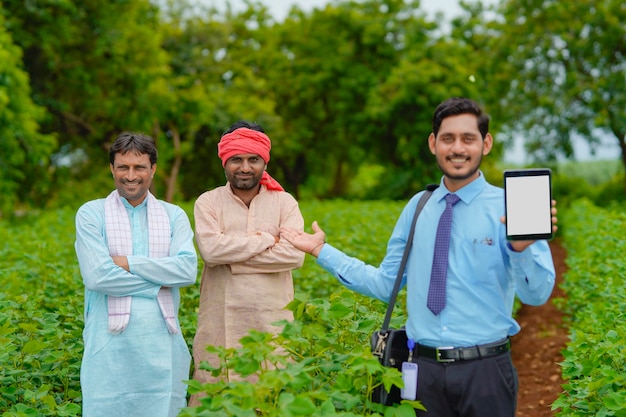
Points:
[[595, 358], [345, 91], [331, 370], [42, 300]]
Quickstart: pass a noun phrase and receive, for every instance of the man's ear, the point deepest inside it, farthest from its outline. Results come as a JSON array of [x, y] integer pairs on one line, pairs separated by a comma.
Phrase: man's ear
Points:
[[431, 142], [487, 144]]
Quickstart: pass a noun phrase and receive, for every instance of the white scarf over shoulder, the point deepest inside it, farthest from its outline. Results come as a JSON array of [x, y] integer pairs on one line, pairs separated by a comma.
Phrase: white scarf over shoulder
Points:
[[120, 241]]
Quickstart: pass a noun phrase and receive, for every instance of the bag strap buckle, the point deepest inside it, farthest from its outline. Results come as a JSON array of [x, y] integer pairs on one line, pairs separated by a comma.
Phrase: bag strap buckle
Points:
[[380, 344]]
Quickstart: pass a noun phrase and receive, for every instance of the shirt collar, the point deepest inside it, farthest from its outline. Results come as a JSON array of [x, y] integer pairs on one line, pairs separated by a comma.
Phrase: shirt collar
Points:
[[467, 193]]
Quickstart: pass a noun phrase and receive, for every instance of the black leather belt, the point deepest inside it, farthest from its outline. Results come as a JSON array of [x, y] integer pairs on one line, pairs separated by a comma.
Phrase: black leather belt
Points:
[[445, 354]]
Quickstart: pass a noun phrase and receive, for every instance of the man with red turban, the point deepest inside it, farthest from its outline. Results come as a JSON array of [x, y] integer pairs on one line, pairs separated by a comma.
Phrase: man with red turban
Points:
[[246, 279], [248, 141]]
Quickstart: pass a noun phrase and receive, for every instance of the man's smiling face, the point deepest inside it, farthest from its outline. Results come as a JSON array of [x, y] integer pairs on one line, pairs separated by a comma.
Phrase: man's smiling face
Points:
[[133, 174], [459, 149]]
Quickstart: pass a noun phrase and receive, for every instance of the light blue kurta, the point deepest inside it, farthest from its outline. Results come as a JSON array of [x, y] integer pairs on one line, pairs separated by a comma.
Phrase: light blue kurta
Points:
[[139, 372]]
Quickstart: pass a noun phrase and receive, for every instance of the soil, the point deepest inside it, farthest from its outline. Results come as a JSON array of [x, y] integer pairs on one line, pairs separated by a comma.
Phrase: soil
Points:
[[537, 348]]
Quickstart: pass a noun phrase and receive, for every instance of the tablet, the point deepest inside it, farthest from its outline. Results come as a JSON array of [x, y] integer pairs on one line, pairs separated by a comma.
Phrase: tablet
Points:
[[528, 204]]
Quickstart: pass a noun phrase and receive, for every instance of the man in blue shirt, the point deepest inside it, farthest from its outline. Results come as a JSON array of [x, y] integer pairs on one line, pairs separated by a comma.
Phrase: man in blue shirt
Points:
[[462, 351]]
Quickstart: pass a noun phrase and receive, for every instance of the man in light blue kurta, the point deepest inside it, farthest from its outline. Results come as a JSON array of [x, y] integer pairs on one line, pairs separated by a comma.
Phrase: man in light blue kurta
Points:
[[140, 370]]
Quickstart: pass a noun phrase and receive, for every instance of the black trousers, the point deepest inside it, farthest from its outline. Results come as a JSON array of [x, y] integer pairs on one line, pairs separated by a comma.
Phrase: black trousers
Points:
[[484, 387]]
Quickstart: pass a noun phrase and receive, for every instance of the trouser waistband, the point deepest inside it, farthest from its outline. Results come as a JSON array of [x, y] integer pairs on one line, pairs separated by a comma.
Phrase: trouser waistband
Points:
[[448, 354]]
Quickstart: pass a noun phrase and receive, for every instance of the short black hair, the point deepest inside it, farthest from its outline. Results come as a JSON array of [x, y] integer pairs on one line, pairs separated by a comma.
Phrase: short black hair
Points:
[[138, 143], [460, 105]]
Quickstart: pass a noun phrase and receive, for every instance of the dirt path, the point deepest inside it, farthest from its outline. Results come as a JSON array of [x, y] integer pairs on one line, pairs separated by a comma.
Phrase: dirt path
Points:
[[537, 349]]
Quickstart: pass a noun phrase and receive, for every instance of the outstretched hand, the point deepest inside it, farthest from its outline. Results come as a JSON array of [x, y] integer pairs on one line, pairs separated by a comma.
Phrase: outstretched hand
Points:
[[307, 242]]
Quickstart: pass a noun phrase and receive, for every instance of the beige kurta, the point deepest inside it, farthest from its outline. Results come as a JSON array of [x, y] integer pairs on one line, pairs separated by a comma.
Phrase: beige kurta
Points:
[[246, 279]]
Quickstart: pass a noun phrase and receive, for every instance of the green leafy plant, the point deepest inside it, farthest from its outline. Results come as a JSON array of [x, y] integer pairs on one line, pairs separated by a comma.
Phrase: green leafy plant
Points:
[[594, 363], [324, 368], [38, 350], [320, 364]]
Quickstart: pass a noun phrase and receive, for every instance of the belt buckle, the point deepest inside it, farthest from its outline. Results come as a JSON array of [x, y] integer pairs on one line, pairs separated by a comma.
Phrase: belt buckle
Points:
[[438, 351]]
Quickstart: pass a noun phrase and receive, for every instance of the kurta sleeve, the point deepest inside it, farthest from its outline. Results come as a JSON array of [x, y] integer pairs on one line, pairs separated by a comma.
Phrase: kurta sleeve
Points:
[[282, 256], [180, 268], [97, 268], [217, 247]]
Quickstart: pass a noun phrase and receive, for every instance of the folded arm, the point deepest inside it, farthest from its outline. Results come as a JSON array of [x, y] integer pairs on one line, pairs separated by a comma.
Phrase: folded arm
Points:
[[249, 250], [98, 270], [180, 268], [101, 273], [280, 257]]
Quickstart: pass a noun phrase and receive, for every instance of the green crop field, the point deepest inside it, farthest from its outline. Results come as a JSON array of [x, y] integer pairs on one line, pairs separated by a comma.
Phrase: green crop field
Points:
[[327, 368]]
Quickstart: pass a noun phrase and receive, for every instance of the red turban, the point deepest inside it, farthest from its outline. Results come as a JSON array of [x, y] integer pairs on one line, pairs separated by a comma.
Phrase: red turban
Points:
[[244, 140]]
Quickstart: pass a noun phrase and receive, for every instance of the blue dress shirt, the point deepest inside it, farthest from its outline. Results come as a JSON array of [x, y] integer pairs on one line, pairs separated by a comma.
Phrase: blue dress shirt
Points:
[[484, 273]]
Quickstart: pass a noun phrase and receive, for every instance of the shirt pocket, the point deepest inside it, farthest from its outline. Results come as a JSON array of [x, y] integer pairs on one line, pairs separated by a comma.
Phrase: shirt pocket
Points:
[[484, 260]]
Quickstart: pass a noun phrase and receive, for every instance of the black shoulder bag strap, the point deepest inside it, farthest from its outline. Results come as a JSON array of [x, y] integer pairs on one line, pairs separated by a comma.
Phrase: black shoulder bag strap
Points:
[[392, 301]]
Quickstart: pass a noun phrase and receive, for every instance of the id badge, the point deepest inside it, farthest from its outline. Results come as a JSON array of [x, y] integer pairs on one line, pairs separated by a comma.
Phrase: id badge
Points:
[[409, 377]]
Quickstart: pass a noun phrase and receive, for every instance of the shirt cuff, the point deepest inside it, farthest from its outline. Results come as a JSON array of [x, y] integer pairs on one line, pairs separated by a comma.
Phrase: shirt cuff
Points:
[[133, 262], [271, 240], [519, 259], [329, 257]]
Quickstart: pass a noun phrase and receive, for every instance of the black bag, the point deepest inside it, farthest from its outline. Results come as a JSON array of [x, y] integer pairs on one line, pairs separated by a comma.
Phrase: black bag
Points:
[[391, 350], [390, 345]]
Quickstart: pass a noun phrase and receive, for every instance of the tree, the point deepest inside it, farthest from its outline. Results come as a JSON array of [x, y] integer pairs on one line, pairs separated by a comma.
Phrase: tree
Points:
[[338, 88], [328, 86], [401, 110], [98, 68], [23, 149], [558, 71], [216, 81], [333, 59]]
